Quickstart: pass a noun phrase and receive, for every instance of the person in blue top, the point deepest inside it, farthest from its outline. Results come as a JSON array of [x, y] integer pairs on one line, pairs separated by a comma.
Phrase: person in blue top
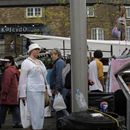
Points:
[[56, 83], [58, 65]]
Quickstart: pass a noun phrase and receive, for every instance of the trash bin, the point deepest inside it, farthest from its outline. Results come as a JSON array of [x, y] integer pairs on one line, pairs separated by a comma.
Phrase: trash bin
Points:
[[91, 120]]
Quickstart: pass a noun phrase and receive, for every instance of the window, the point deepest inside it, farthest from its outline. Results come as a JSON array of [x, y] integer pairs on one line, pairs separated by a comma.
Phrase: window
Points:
[[97, 34], [127, 12], [90, 11], [33, 12], [128, 33], [1, 36]]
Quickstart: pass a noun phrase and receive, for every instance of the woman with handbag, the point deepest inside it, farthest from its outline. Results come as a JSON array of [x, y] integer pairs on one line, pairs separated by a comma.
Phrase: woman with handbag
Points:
[[32, 86]]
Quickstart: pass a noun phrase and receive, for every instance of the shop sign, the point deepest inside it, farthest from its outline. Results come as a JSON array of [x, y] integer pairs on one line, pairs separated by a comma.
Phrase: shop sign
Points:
[[22, 28]]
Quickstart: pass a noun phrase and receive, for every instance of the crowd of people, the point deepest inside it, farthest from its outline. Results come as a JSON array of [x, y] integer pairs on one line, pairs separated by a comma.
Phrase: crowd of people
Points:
[[30, 83]]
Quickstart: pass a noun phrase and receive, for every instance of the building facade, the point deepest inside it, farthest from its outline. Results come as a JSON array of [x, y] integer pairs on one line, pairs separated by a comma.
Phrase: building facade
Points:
[[47, 20], [52, 17], [102, 17]]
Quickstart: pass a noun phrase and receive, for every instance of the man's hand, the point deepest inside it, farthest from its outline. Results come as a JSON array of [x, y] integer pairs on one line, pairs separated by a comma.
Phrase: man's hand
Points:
[[90, 82], [23, 99]]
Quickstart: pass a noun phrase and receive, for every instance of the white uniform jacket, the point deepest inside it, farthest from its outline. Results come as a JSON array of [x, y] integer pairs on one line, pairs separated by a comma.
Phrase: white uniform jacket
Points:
[[32, 77]]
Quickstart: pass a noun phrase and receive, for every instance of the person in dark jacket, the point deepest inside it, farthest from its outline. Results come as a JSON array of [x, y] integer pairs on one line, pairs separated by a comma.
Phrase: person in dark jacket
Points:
[[56, 78], [68, 86], [9, 93], [58, 65]]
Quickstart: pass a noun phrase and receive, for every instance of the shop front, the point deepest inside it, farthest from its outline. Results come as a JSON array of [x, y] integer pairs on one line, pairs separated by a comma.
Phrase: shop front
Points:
[[11, 43]]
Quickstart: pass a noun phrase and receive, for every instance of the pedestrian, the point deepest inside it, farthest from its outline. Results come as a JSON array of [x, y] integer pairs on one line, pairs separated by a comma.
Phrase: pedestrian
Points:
[[96, 73], [58, 65], [9, 92], [66, 70], [32, 86], [12, 45], [57, 81], [121, 22], [49, 65], [66, 83]]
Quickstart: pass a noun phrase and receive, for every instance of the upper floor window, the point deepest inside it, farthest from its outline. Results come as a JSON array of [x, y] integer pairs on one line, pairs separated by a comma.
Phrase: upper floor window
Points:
[[128, 33], [90, 11], [34, 12], [127, 12], [97, 34]]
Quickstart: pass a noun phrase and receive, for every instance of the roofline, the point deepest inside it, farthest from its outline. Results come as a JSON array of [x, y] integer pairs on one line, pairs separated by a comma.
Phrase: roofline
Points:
[[25, 3], [31, 5], [125, 2]]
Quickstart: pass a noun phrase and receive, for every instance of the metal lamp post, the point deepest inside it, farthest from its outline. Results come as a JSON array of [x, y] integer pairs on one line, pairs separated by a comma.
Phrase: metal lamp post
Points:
[[78, 50]]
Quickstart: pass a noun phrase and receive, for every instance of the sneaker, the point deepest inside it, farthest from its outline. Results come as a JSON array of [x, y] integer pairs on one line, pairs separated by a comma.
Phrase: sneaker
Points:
[[18, 126]]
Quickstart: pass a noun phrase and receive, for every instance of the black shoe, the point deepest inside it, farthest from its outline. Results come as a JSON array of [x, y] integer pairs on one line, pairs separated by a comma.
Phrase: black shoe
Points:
[[17, 126]]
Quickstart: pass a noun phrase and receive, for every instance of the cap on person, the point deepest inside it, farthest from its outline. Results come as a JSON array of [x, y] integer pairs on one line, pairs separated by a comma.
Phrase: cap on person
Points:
[[33, 46], [10, 59]]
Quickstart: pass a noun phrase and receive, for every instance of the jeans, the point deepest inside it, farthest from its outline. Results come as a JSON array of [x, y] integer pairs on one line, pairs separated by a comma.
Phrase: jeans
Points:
[[15, 111], [60, 114], [64, 94]]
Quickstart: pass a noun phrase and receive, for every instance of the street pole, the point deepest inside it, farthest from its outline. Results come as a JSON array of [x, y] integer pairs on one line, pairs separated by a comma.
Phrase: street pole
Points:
[[78, 50]]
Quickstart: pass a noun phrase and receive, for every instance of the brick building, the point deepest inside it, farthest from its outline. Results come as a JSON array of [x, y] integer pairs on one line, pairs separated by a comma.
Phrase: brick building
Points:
[[51, 17], [102, 16]]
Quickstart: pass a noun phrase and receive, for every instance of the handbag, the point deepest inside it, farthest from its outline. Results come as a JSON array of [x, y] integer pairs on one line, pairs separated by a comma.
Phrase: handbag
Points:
[[115, 32], [59, 103], [25, 115], [47, 93], [47, 98]]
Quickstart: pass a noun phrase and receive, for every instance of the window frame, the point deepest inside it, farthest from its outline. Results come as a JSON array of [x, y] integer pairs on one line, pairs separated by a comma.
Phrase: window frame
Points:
[[97, 33], [127, 16], [88, 10], [128, 33], [33, 12]]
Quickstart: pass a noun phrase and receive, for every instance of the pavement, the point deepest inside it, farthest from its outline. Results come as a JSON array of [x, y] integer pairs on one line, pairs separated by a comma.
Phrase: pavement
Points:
[[50, 124]]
